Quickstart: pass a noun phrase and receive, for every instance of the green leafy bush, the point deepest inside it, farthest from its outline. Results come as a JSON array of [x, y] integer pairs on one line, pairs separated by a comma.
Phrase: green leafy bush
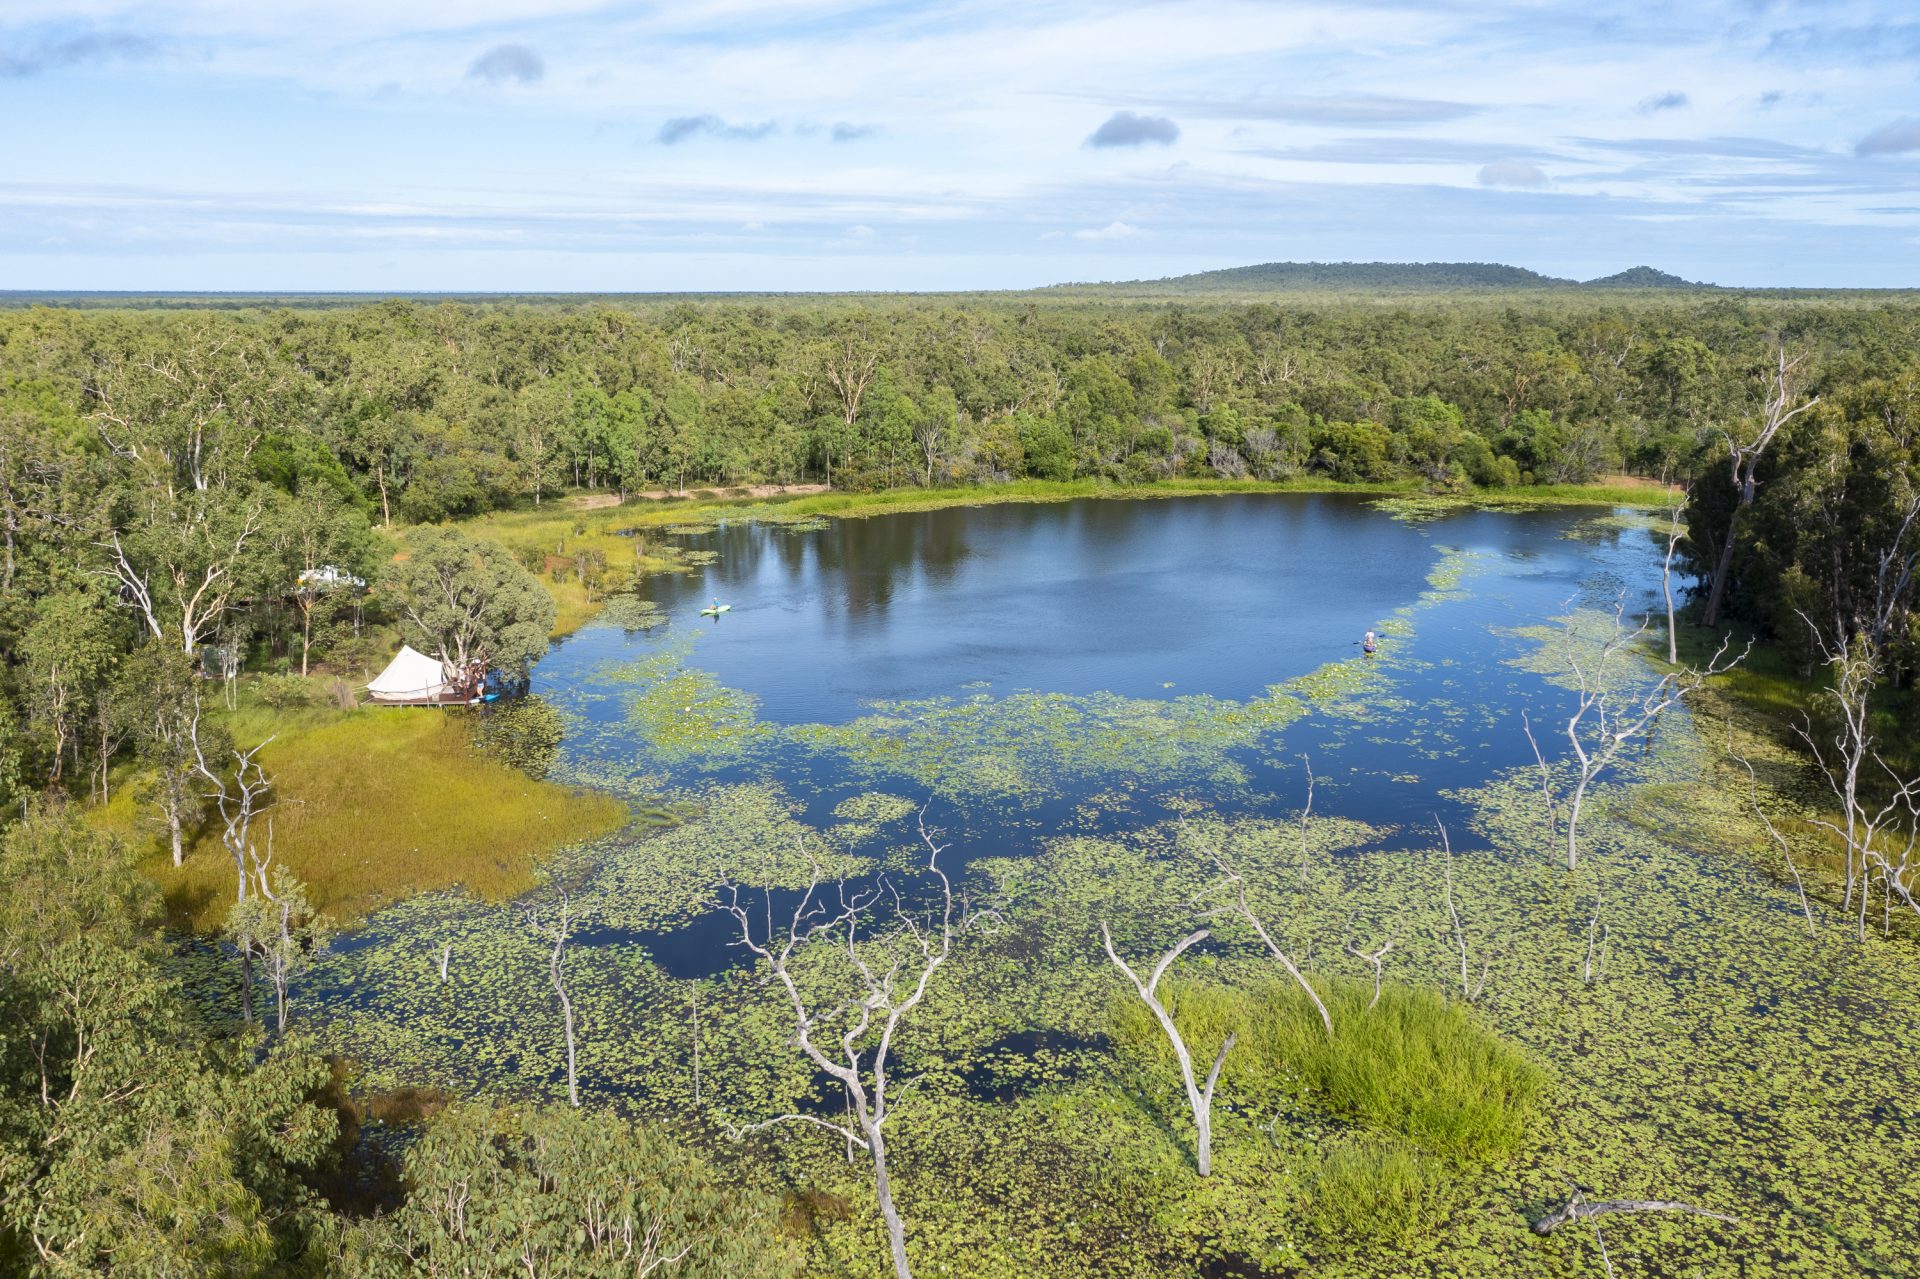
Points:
[[1417, 1065], [555, 1191], [523, 733], [283, 692]]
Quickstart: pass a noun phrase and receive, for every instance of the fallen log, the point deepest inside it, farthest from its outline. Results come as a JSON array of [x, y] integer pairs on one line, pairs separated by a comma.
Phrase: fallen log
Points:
[[1579, 1208]]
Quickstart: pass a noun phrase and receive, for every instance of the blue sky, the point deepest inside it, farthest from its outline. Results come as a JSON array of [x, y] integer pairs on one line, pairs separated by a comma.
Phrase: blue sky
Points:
[[816, 144]]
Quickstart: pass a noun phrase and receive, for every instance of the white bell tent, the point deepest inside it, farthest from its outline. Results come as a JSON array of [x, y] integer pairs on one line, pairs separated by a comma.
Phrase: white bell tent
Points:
[[413, 677]]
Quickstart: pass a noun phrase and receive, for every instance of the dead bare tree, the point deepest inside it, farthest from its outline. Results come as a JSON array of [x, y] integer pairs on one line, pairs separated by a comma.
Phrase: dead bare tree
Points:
[[1676, 533], [1546, 780], [239, 799], [1851, 643], [1235, 884], [1378, 958], [695, 1037], [1199, 1098], [1469, 990], [1852, 763], [556, 932], [1781, 406], [1605, 718], [1305, 813], [892, 971], [1599, 933], [1773, 832]]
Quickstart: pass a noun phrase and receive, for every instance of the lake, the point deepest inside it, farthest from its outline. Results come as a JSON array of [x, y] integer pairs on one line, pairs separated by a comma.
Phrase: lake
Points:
[[987, 625], [1091, 702]]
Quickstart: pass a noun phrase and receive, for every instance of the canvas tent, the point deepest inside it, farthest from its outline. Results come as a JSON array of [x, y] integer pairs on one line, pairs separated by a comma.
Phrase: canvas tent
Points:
[[412, 676]]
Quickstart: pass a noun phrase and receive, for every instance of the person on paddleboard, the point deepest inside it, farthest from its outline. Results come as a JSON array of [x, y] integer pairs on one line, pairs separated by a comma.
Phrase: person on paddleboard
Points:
[[1369, 643]]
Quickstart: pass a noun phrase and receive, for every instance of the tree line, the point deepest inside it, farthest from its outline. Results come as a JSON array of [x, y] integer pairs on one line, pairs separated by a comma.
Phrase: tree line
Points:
[[208, 482]]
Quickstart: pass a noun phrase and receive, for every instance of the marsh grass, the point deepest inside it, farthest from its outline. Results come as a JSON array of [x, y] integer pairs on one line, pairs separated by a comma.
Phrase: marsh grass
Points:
[[379, 804], [1373, 1192], [1417, 1066]]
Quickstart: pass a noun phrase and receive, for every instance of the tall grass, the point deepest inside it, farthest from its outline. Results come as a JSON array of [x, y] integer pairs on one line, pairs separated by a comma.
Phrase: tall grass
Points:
[[1373, 1192], [378, 804], [1417, 1066]]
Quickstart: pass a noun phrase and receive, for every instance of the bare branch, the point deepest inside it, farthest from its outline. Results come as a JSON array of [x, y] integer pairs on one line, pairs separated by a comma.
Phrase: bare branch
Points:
[[1198, 1100], [1579, 1208]]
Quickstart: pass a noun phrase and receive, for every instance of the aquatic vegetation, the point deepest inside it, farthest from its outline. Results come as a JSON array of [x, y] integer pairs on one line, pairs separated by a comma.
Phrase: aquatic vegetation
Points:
[[685, 714], [1414, 1065], [1716, 1055], [630, 612], [1424, 507]]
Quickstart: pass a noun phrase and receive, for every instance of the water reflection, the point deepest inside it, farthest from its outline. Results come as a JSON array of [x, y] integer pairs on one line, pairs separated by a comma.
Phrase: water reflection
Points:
[[1222, 595]]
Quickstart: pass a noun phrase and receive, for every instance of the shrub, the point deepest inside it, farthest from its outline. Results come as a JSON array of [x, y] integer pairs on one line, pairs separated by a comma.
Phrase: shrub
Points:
[[523, 733], [284, 691], [567, 1192], [1417, 1065]]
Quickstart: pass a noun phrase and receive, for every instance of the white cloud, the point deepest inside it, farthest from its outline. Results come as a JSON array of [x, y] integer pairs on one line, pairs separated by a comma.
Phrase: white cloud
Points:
[[1511, 173], [1111, 231]]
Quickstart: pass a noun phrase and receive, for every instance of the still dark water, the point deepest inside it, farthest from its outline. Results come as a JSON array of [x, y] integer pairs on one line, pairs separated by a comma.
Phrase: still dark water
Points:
[[1213, 595], [1149, 600]]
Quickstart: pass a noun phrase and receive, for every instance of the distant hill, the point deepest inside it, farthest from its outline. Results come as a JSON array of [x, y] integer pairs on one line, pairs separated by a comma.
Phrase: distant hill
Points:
[[1379, 277], [1643, 277]]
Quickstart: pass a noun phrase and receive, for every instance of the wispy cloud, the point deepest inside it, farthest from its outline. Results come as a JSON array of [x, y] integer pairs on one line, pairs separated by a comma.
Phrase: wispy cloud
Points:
[[1366, 110], [506, 62], [1511, 173], [1847, 45], [684, 127], [20, 61], [1897, 138], [1400, 149], [1369, 131], [1671, 100], [1125, 129], [1111, 231]]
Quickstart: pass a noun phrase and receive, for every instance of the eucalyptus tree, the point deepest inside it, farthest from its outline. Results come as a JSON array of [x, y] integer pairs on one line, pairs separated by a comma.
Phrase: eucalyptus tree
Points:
[[466, 601], [180, 412], [134, 1138], [553, 1191], [67, 656], [321, 548], [276, 926], [1782, 401], [166, 721]]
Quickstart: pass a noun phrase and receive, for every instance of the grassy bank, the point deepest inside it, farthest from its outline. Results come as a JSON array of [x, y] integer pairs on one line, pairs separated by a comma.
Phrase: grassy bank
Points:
[[375, 805]]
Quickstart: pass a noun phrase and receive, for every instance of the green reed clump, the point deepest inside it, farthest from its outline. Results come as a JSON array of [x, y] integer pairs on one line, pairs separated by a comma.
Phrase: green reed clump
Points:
[[1416, 1065], [1373, 1192]]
